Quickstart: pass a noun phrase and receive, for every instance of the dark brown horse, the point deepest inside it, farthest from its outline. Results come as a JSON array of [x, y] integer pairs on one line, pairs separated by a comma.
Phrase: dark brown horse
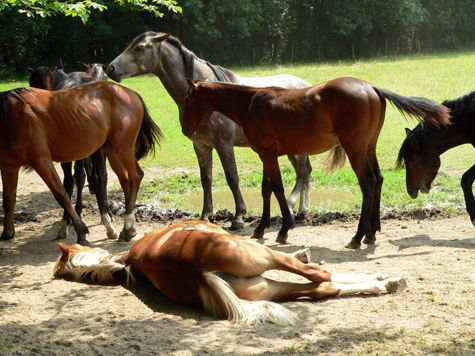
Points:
[[38, 127], [93, 167], [344, 112], [421, 149], [196, 262]]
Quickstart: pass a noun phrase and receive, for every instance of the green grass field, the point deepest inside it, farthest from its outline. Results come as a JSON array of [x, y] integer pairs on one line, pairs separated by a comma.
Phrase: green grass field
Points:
[[438, 77]]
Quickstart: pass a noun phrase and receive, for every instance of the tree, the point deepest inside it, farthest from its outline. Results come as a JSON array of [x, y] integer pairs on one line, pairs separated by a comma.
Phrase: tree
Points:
[[82, 9]]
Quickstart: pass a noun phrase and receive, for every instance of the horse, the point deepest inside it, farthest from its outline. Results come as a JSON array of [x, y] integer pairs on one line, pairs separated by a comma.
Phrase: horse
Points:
[[39, 126], [198, 263], [93, 70], [167, 58], [420, 151], [94, 166], [344, 113]]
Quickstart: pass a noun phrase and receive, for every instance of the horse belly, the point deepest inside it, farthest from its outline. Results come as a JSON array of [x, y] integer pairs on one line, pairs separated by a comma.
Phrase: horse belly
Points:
[[77, 146]]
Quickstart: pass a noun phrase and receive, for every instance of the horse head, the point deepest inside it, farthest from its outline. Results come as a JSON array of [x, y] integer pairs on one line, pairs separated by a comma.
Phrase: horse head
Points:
[[196, 110], [141, 56], [421, 160]]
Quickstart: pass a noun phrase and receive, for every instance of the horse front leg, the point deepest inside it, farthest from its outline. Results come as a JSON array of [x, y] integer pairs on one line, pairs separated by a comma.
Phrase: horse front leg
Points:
[[467, 181], [226, 155], [45, 169], [205, 161], [303, 169], [266, 192], [10, 183], [367, 181]]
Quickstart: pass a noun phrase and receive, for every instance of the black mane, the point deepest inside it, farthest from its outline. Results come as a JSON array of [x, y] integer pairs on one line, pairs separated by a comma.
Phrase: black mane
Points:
[[463, 107], [59, 79]]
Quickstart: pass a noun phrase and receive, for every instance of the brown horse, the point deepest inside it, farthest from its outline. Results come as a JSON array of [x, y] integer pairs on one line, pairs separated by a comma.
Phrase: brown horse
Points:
[[344, 112], [421, 150], [196, 262], [38, 127]]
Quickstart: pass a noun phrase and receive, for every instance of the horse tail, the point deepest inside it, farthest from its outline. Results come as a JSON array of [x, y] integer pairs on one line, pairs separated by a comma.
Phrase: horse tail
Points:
[[335, 159], [149, 134], [95, 266], [422, 109], [218, 298]]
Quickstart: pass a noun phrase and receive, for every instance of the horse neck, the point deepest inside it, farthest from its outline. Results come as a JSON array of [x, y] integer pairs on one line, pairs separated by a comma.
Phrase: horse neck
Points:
[[230, 100], [171, 72], [447, 137], [57, 77]]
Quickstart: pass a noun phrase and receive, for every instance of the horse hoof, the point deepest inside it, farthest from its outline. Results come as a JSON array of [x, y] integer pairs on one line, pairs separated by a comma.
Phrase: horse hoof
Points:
[[112, 235], [237, 225], [257, 235], [369, 240], [395, 284], [303, 255], [6, 237], [127, 235], [353, 245], [84, 242], [281, 239]]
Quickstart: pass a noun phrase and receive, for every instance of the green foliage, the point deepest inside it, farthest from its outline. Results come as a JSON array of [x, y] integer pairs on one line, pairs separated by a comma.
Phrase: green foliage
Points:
[[82, 9]]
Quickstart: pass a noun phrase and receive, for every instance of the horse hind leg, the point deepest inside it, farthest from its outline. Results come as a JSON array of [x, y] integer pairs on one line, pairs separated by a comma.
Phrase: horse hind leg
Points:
[[370, 237], [9, 183], [68, 184], [303, 169], [125, 166], [98, 180], [228, 160]]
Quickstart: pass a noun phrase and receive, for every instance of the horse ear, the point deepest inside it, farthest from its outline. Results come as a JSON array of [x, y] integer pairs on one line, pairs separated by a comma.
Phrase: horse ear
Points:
[[83, 64], [161, 38], [64, 251], [408, 131], [31, 70], [52, 69], [192, 85]]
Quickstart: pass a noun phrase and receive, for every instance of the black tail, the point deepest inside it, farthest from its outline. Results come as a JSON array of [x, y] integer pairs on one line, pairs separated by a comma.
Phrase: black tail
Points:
[[421, 109], [149, 135]]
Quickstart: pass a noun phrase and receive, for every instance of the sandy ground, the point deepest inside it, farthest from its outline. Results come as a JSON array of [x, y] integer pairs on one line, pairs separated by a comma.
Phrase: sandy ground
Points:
[[40, 315]]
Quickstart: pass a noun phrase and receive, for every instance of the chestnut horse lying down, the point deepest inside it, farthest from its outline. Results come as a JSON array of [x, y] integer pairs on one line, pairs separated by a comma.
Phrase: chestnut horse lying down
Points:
[[196, 262]]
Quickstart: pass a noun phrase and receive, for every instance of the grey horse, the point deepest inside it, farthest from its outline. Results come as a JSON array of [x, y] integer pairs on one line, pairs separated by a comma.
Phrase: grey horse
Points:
[[167, 58]]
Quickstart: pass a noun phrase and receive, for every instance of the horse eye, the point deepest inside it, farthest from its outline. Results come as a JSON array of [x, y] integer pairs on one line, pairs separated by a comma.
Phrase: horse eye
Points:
[[139, 48], [149, 46]]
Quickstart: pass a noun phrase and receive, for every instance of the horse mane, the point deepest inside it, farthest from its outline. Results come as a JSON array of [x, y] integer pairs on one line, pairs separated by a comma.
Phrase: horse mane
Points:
[[6, 99], [221, 73], [463, 107]]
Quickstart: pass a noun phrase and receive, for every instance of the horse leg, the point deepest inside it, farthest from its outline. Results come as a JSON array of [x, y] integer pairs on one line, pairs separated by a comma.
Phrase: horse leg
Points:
[[88, 170], [98, 177], [205, 161], [272, 173], [80, 179], [266, 192], [226, 155], [303, 169], [125, 166], [9, 182], [45, 169], [367, 181], [68, 183], [467, 181], [370, 238]]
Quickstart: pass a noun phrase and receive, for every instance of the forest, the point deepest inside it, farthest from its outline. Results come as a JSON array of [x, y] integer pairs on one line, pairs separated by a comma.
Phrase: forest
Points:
[[243, 32]]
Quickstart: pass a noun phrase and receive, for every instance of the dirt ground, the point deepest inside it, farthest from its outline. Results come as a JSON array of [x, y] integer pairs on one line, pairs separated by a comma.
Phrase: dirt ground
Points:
[[435, 314]]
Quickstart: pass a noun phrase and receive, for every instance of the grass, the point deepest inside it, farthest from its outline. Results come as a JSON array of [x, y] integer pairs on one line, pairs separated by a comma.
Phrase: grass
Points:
[[438, 77]]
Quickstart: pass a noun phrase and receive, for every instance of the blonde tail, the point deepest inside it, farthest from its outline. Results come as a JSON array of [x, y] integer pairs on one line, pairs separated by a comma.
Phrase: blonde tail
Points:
[[219, 299]]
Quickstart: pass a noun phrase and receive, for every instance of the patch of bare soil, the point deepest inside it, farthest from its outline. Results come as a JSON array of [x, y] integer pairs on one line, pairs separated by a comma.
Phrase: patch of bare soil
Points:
[[40, 315]]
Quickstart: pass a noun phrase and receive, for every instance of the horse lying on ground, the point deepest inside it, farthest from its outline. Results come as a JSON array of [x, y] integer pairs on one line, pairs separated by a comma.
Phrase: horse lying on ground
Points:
[[196, 262], [346, 114], [421, 149], [95, 165], [167, 58], [39, 126]]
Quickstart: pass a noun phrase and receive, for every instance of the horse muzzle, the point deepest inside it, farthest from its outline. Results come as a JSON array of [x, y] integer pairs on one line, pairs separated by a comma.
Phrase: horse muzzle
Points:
[[113, 73]]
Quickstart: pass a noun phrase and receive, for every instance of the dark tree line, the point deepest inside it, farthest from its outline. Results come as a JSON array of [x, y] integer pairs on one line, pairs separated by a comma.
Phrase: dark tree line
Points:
[[245, 31]]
